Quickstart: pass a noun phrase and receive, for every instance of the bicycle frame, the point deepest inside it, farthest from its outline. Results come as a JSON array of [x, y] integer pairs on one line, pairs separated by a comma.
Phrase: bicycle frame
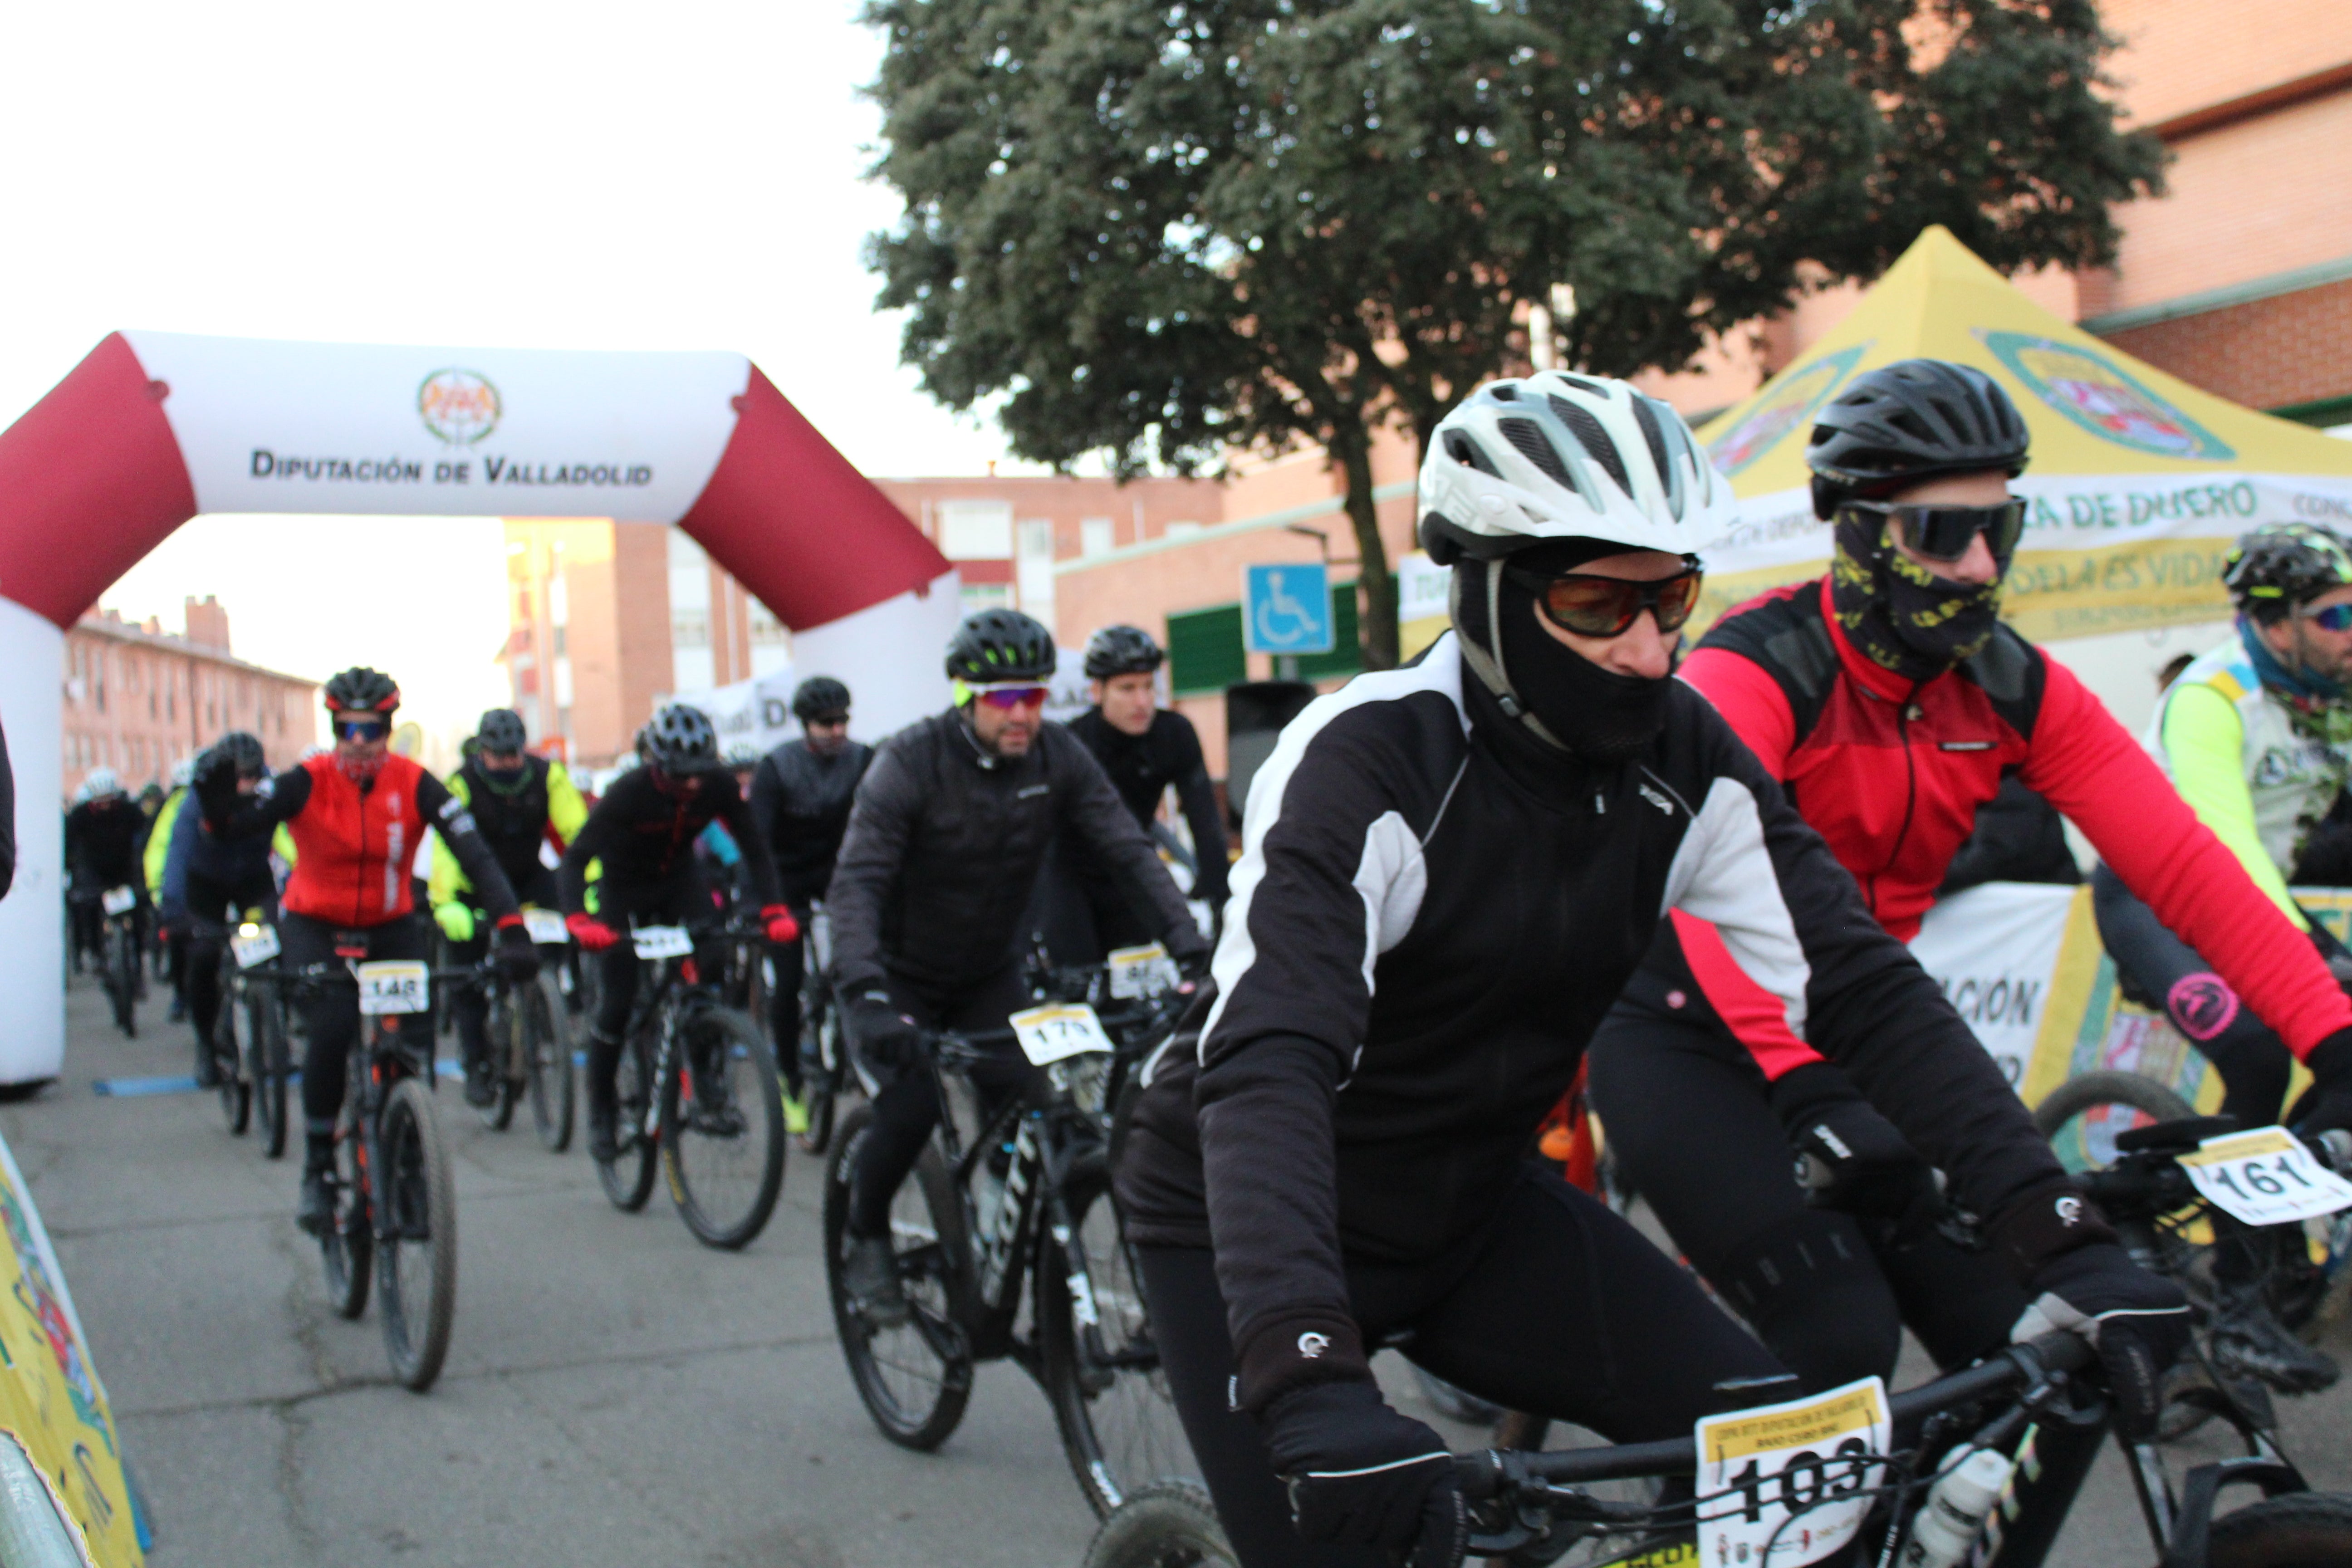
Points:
[[374, 1069], [674, 997]]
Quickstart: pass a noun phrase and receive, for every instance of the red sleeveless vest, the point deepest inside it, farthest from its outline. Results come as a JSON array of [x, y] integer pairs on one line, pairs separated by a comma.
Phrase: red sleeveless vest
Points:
[[352, 850]]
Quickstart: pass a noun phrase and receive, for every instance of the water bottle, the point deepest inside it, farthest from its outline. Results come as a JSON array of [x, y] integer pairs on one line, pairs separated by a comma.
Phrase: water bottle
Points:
[[1949, 1523]]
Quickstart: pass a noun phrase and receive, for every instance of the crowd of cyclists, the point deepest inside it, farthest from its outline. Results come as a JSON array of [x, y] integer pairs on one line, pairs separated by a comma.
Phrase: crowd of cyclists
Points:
[[1556, 844]]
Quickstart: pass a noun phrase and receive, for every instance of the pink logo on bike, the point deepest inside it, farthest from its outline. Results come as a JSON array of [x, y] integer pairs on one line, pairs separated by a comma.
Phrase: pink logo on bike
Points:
[[2201, 1005]]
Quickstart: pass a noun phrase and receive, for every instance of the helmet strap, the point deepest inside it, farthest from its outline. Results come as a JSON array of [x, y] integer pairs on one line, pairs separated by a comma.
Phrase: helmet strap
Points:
[[1488, 666]]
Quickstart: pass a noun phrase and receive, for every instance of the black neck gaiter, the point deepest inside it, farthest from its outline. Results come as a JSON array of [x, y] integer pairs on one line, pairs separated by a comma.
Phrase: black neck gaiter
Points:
[[1596, 715], [1900, 615]]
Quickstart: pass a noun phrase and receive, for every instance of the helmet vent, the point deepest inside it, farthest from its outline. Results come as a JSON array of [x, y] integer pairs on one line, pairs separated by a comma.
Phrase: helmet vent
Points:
[[1528, 438], [1581, 384], [1592, 438], [1465, 451], [1647, 419]]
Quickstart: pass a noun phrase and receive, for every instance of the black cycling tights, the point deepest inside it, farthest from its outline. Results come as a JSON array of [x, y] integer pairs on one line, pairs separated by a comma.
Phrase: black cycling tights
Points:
[[332, 1016], [1557, 1307], [1686, 1117]]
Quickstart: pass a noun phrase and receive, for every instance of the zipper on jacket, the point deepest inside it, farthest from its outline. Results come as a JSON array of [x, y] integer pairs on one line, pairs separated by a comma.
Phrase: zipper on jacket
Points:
[[1904, 713]]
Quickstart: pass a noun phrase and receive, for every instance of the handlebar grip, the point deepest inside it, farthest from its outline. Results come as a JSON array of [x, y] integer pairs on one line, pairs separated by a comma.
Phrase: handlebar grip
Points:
[[1479, 1475]]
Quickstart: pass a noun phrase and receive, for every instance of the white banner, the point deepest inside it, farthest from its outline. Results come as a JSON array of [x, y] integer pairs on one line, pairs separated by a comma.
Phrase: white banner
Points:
[[1994, 949], [338, 428]]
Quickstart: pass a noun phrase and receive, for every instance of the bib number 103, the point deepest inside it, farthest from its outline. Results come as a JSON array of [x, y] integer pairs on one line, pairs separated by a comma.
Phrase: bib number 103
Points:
[[1783, 1485]]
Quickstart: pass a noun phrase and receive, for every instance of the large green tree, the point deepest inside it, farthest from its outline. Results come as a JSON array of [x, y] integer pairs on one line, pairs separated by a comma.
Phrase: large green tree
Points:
[[1164, 229]]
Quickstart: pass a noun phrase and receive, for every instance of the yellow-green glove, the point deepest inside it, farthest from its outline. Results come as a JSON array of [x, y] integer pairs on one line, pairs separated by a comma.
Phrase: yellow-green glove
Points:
[[455, 921]]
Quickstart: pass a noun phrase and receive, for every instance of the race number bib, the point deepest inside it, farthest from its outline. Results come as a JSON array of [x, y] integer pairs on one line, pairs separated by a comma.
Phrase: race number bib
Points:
[[394, 986], [1144, 971], [663, 942], [1783, 1485], [1065, 1029], [2266, 1177], [545, 928], [254, 944], [117, 900]]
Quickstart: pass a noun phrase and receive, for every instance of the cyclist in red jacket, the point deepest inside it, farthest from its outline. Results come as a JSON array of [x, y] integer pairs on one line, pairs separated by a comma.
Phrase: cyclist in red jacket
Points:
[[357, 814], [1890, 702]]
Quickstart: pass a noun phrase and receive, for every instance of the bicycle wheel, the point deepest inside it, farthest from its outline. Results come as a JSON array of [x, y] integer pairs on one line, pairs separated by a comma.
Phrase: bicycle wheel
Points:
[[416, 1276], [547, 1060], [1103, 1377], [628, 1178], [2301, 1529], [1168, 1524], [722, 1121], [265, 1033], [506, 1019], [2106, 1103], [122, 976], [347, 1249], [235, 1090], [914, 1379]]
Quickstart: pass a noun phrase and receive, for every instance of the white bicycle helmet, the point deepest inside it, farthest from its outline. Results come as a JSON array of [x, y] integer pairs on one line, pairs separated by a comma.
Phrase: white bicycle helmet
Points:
[[102, 782], [1555, 456]]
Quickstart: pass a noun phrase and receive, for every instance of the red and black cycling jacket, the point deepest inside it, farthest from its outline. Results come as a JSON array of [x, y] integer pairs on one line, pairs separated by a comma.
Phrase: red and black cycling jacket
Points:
[[1891, 773]]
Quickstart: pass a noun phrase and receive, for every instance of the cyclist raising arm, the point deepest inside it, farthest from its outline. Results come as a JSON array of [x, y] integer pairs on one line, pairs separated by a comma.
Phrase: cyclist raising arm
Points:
[[1448, 872], [643, 831], [944, 845], [355, 815], [208, 880]]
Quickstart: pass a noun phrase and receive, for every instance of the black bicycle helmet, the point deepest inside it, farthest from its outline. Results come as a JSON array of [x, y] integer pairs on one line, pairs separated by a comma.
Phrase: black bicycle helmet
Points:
[[680, 741], [2281, 565], [242, 752], [360, 689], [999, 645], [501, 730], [819, 695], [1122, 651], [1911, 420]]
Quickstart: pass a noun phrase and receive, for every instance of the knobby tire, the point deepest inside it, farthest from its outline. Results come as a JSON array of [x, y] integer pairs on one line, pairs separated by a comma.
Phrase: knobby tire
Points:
[[416, 1276], [628, 1179], [725, 1186]]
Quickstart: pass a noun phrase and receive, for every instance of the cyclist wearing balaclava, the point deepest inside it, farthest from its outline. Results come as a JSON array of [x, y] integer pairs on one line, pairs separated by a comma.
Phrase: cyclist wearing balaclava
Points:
[[1448, 872]]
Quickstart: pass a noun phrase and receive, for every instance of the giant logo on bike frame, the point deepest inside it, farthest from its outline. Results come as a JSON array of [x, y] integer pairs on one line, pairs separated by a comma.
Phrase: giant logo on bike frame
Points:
[[2098, 394], [1782, 410]]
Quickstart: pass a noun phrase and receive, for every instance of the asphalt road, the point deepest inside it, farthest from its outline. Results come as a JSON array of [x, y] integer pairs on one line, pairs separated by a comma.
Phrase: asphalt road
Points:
[[616, 1393]]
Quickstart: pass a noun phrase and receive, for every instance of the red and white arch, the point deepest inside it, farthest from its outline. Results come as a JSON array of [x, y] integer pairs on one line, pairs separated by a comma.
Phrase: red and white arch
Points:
[[153, 428]]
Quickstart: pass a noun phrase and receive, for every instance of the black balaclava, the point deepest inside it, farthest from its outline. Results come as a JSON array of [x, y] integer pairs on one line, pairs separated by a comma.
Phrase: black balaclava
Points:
[[1564, 698], [1899, 614]]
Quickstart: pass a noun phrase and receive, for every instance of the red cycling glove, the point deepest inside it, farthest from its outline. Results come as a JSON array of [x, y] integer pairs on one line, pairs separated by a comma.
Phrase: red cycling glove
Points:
[[591, 932], [782, 926]]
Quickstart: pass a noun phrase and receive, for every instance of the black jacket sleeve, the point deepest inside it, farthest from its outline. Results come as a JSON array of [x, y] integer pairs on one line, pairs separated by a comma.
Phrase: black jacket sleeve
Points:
[[751, 838], [1094, 815], [7, 819], [768, 809], [455, 824], [872, 850], [229, 815]]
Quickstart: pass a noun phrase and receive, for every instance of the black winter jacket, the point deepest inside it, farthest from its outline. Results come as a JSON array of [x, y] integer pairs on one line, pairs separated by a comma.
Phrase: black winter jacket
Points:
[[944, 845], [802, 802]]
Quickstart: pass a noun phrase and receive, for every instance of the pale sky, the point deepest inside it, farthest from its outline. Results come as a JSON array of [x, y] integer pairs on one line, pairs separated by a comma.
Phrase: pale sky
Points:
[[574, 175]]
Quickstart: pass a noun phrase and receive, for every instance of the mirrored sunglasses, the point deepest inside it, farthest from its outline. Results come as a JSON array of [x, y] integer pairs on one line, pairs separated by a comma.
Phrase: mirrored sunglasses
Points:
[[1008, 697], [2334, 619], [361, 728]]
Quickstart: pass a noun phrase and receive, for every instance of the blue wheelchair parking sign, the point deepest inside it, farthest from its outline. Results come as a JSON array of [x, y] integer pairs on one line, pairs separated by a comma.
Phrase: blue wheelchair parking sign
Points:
[[1287, 609]]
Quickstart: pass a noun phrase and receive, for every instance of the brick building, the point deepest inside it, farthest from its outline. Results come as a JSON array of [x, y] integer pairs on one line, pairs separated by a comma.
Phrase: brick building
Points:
[[139, 699]]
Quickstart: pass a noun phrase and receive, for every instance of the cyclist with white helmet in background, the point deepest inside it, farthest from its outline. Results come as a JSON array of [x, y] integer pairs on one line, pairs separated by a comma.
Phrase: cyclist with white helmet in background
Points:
[[102, 835], [942, 850], [1448, 872], [642, 832], [2256, 734], [1145, 748], [801, 797], [356, 814], [520, 803]]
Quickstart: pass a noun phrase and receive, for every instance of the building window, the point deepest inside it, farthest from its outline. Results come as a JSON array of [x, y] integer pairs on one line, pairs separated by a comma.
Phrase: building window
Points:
[[1205, 650], [978, 596], [976, 530], [1097, 536], [1182, 531]]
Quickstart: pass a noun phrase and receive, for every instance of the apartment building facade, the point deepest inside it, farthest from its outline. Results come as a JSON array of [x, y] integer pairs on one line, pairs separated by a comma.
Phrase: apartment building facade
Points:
[[139, 699]]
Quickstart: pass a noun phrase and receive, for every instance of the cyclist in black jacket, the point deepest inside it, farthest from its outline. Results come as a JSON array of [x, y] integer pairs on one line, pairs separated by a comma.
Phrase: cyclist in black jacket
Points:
[[1145, 748], [800, 795], [643, 831], [211, 879], [1448, 872], [102, 833], [942, 851]]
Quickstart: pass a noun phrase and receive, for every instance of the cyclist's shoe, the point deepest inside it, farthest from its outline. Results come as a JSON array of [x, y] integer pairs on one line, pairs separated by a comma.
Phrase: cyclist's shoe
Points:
[[179, 1009], [481, 1086], [796, 1120], [603, 1134], [316, 1212], [208, 1068], [870, 1275], [2249, 1342]]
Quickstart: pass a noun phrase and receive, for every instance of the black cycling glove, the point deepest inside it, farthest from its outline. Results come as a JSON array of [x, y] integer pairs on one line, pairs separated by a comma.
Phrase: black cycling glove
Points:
[[1360, 1474], [2078, 1278], [518, 959], [1849, 1157], [882, 1032], [2326, 1105]]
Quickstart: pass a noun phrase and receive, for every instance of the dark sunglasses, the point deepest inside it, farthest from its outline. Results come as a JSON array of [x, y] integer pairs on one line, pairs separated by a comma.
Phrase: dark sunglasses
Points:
[[361, 728], [2334, 619], [826, 722], [1008, 697], [1943, 533], [1605, 606]]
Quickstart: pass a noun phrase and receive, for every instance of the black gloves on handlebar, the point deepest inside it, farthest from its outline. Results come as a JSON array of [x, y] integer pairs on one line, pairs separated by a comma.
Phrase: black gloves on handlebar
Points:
[[518, 959], [882, 1032], [1849, 1157], [1361, 1474], [2326, 1105], [2066, 1255]]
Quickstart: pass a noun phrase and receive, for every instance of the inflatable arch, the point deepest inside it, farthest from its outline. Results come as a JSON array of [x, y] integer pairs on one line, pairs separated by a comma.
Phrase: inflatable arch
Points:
[[153, 428]]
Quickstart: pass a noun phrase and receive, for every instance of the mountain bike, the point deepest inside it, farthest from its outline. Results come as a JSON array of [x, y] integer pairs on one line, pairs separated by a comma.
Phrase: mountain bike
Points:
[[698, 1096], [1979, 1467], [395, 1198], [1021, 1211], [2126, 1136], [529, 1032], [119, 970], [256, 1075]]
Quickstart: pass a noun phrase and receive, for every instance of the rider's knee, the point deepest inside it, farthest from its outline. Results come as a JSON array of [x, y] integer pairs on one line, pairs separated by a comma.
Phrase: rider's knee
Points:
[[1811, 1291]]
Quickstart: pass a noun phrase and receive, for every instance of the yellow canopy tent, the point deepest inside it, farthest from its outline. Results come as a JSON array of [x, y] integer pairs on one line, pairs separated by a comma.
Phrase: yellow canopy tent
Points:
[[2139, 481]]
